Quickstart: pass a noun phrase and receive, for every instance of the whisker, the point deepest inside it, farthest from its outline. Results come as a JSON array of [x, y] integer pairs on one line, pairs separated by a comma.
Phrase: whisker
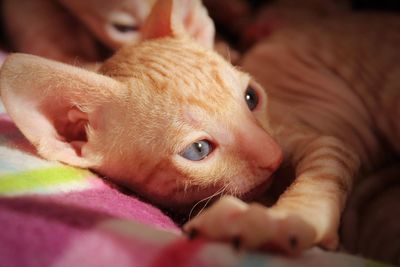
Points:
[[220, 192], [224, 192], [207, 199], [228, 54]]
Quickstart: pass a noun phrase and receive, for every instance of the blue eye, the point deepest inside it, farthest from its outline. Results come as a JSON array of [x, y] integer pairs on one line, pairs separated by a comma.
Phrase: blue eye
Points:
[[197, 151], [251, 98]]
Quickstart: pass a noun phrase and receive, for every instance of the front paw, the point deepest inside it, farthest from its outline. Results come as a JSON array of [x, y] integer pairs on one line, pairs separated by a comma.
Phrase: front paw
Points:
[[253, 226]]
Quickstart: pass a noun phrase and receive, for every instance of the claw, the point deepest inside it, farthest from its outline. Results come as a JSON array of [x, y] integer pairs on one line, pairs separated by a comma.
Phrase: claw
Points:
[[237, 243], [293, 242], [192, 234]]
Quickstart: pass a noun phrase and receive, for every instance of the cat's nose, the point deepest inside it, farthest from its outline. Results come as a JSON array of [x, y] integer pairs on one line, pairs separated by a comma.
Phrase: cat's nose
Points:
[[259, 147]]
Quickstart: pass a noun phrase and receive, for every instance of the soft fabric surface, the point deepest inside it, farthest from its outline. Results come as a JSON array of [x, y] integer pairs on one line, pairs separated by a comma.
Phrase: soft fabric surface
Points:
[[55, 215]]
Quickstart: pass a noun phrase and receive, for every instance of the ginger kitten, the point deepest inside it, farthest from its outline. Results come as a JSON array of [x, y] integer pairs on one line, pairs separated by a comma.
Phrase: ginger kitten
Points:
[[167, 117]]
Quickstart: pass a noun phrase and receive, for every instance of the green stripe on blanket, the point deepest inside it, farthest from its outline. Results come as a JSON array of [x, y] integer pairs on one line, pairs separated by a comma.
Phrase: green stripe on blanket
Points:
[[61, 177]]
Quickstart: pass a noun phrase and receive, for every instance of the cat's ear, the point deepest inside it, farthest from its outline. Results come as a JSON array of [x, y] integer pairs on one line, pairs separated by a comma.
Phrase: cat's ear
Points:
[[54, 105], [172, 18]]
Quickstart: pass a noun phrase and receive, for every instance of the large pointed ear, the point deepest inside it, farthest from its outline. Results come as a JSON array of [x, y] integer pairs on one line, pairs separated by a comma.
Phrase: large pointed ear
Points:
[[54, 105], [173, 18]]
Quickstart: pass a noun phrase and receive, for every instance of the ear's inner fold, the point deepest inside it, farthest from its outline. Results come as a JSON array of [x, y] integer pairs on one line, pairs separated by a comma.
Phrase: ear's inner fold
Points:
[[73, 128]]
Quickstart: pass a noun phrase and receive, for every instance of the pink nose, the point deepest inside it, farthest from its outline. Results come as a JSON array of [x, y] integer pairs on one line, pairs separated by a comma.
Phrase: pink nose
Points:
[[258, 146]]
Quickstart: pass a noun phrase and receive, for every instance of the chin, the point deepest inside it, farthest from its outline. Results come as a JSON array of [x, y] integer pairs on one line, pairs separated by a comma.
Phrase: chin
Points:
[[256, 191], [197, 201], [253, 187]]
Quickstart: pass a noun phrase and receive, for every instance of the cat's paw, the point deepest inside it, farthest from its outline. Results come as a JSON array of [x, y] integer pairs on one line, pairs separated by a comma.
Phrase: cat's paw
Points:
[[252, 226]]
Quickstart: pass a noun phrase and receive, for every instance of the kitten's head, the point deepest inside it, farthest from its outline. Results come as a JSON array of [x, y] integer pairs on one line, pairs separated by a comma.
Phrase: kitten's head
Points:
[[166, 117]]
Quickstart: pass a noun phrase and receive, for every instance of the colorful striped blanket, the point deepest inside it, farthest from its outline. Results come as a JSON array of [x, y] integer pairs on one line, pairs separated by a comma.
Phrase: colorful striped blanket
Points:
[[56, 215]]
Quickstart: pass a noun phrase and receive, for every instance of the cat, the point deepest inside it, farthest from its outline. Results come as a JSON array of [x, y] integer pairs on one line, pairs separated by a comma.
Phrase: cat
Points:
[[333, 101], [177, 123], [80, 32], [73, 115]]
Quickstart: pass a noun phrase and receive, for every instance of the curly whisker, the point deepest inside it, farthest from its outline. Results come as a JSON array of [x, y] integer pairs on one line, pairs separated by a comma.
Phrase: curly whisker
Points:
[[207, 200]]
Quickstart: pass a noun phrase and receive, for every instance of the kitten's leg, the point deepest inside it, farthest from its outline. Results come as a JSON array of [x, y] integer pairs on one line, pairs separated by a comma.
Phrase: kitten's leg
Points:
[[307, 213], [325, 170]]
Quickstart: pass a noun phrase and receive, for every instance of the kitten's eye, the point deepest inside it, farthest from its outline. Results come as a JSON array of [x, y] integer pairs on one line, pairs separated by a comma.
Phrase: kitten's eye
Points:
[[123, 22], [197, 151], [251, 98], [125, 28]]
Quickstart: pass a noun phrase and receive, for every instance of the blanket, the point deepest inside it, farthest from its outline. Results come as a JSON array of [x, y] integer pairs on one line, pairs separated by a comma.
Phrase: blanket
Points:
[[55, 215]]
